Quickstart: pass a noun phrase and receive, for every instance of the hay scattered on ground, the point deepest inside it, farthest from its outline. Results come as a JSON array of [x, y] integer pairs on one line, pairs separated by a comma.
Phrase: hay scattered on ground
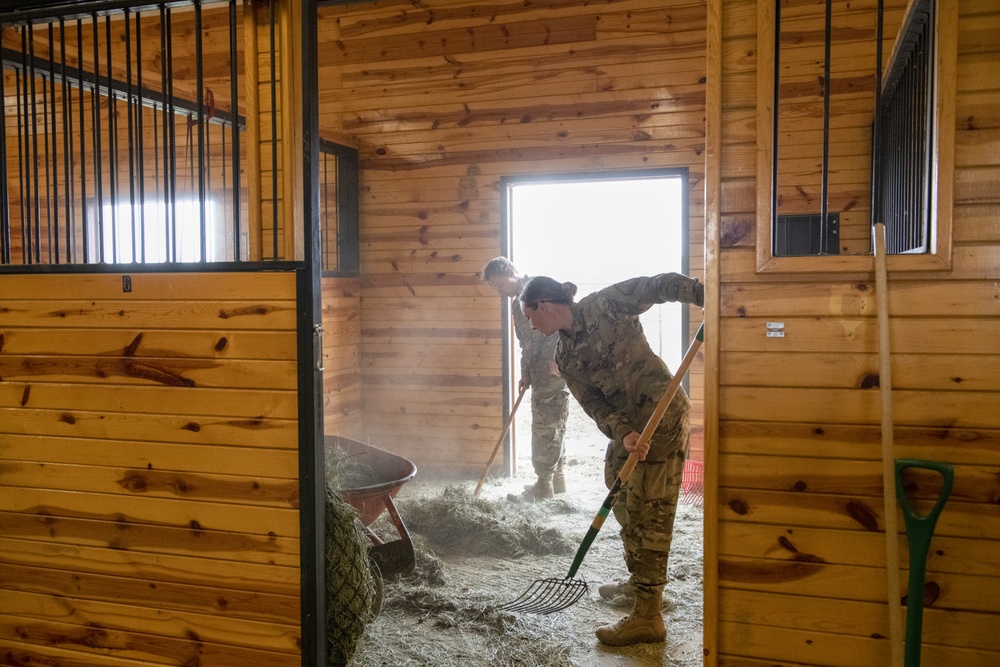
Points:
[[460, 523], [494, 637], [427, 569]]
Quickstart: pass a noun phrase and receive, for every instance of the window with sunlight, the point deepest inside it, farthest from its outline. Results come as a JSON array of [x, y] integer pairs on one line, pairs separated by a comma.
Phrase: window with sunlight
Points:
[[597, 232], [156, 232]]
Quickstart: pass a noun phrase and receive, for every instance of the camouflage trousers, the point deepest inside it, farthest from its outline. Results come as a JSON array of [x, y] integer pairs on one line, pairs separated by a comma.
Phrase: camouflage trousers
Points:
[[647, 505], [549, 411]]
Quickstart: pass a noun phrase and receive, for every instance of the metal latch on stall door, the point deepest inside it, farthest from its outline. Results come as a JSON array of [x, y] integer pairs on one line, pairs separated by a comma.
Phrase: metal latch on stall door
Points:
[[318, 347], [775, 330]]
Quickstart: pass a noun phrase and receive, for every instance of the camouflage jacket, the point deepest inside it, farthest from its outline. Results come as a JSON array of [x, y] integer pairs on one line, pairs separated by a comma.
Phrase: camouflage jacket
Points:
[[607, 362], [537, 352]]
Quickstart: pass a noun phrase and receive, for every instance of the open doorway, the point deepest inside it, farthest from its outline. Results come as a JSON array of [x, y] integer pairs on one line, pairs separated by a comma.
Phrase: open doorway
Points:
[[594, 230]]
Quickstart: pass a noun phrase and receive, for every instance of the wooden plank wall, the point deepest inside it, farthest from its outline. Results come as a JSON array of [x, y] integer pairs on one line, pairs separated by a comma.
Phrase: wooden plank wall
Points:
[[342, 358], [149, 469], [802, 566], [445, 98]]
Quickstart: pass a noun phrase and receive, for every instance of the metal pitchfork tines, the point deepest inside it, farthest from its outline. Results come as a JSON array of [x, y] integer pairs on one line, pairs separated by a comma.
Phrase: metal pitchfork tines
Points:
[[546, 596]]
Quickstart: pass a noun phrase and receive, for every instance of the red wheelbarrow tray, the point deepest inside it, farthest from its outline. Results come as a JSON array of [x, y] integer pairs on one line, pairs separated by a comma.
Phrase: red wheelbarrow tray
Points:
[[390, 472]]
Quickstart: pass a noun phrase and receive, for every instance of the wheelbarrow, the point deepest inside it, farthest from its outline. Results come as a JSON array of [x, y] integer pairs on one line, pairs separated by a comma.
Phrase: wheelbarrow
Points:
[[389, 473]]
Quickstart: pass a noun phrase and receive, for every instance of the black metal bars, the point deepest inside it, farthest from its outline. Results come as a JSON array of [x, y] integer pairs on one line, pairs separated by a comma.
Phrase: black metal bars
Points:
[[903, 136], [123, 69]]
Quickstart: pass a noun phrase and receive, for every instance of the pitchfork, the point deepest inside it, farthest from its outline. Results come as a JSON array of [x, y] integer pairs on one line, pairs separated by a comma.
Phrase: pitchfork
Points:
[[546, 596]]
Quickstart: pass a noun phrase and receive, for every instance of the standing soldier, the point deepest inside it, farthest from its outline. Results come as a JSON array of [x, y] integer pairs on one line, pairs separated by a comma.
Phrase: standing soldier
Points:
[[549, 398], [610, 368]]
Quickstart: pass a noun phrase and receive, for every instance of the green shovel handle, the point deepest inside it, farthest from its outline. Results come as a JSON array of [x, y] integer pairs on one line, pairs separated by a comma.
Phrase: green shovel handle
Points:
[[919, 529]]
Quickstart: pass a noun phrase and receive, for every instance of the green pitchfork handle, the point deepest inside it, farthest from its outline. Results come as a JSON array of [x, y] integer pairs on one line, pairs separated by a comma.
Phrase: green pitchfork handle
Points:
[[919, 530], [633, 459]]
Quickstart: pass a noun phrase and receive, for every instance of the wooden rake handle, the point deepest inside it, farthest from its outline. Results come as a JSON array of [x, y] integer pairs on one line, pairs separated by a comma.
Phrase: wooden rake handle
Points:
[[893, 592], [644, 437], [496, 448]]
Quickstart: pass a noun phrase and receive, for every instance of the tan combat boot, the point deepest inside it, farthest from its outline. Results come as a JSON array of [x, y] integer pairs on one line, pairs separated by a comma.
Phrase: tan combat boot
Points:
[[540, 490], [558, 479], [643, 626], [613, 589]]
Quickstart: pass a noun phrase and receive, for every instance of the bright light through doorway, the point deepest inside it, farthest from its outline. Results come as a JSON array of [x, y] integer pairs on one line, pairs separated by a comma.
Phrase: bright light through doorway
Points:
[[598, 232]]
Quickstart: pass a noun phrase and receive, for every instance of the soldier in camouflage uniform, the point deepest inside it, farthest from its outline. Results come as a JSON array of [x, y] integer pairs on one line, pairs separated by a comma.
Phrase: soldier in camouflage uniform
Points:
[[549, 398], [618, 380]]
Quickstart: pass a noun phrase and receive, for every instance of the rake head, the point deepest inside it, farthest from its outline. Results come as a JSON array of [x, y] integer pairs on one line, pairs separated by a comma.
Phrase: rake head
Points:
[[546, 596]]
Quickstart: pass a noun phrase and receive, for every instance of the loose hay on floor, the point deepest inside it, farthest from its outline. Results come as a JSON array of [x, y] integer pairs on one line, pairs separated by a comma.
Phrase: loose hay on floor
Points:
[[492, 636], [461, 523], [427, 569]]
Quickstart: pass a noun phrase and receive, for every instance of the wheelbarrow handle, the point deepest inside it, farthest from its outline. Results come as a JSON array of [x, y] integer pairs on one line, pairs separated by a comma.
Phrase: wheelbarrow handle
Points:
[[919, 529], [651, 424]]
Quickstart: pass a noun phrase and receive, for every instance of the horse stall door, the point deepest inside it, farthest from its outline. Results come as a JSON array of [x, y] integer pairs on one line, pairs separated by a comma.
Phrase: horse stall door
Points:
[[149, 469]]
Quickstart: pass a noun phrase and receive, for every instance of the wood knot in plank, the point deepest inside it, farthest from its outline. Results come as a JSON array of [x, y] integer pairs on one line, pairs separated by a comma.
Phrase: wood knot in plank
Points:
[[869, 381], [131, 348], [932, 591], [863, 515], [133, 481], [255, 423], [769, 571], [180, 486], [739, 506], [246, 310]]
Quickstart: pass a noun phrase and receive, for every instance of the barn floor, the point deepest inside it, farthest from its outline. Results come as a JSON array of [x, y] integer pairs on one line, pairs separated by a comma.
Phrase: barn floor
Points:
[[455, 623]]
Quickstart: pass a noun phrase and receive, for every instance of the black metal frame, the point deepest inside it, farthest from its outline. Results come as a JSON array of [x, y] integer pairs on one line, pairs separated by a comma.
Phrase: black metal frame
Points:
[[54, 71], [903, 136], [826, 233], [346, 243], [908, 225], [312, 469]]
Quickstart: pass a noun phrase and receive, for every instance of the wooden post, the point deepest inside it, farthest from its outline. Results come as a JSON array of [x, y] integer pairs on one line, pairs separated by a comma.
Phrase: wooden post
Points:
[[251, 60], [289, 18]]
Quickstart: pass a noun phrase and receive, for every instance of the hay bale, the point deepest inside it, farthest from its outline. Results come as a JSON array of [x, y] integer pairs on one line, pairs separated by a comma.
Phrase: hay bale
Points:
[[352, 590]]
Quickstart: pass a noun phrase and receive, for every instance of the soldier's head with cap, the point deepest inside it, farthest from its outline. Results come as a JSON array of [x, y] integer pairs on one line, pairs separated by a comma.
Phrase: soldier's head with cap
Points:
[[501, 274]]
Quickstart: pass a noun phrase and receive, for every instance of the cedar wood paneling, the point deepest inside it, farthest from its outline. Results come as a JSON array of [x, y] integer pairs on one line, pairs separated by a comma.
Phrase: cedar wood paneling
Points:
[[342, 357], [444, 99], [149, 469], [801, 555]]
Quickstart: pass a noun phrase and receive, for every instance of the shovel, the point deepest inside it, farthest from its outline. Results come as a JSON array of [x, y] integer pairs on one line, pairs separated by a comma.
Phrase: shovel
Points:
[[546, 596], [919, 529]]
